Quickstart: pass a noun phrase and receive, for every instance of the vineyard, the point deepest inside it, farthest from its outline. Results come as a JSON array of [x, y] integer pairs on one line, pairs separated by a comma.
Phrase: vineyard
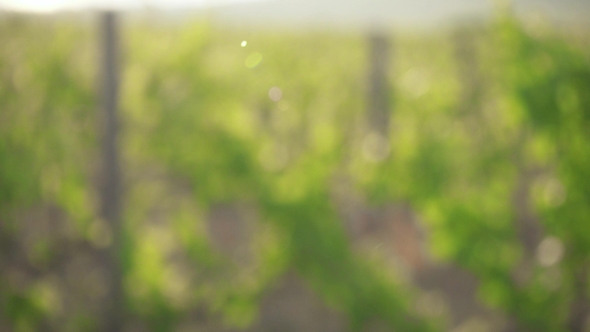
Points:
[[257, 194]]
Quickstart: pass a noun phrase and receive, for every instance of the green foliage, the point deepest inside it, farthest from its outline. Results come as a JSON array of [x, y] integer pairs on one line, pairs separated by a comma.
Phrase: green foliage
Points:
[[199, 130]]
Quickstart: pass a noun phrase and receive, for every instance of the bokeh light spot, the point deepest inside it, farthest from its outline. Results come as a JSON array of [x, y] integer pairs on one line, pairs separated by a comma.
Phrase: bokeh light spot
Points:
[[253, 60], [554, 193], [416, 82], [550, 251], [275, 94]]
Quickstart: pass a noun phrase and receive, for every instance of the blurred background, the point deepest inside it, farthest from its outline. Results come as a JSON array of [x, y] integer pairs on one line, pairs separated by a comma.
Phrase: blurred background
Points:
[[295, 165]]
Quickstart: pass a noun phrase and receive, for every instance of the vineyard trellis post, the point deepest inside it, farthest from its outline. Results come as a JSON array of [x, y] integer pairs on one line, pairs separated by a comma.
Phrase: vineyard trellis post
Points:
[[111, 171]]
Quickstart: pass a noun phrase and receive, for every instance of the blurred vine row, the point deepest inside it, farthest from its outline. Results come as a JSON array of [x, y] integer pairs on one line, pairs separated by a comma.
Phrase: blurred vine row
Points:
[[248, 165]]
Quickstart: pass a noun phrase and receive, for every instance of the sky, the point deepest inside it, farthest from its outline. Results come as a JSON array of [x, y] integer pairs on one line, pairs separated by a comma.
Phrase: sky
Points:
[[353, 13], [49, 6]]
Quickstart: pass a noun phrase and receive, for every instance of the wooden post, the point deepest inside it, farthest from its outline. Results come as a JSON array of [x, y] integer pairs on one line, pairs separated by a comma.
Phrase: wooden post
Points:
[[375, 145], [111, 179], [379, 89]]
